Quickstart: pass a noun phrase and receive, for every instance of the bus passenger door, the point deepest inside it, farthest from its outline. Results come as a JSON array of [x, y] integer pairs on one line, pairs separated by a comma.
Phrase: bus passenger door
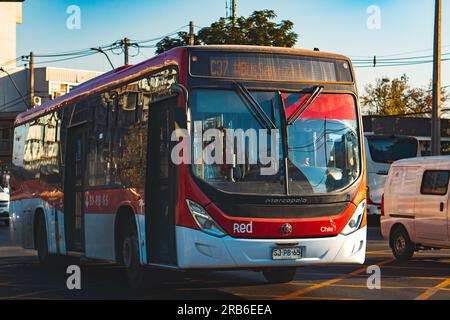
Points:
[[161, 185], [74, 188]]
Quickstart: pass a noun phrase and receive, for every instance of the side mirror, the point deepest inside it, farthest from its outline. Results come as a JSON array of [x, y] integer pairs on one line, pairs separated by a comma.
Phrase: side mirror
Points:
[[180, 90], [181, 114]]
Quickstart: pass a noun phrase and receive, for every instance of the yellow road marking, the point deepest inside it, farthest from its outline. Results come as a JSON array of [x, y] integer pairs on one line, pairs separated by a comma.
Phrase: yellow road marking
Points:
[[325, 298], [378, 252], [300, 292], [362, 286], [29, 294], [444, 260], [384, 276], [299, 298], [430, 292], [418, 268]]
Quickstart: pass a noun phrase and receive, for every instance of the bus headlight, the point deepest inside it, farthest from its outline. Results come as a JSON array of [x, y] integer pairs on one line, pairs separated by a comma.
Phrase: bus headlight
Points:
[[205, 222], [355, 220]]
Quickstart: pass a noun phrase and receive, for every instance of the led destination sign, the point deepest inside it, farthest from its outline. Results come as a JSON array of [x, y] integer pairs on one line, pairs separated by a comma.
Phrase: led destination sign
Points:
[[269, 67]]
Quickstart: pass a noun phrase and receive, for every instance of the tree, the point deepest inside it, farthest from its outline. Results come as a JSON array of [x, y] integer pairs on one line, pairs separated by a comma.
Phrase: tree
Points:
[[422, 100], [396, 97], [168, 43], [257, 29]]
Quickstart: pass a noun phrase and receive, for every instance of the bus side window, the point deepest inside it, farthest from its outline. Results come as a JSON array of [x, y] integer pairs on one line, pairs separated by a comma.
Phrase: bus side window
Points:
[[99, 144]]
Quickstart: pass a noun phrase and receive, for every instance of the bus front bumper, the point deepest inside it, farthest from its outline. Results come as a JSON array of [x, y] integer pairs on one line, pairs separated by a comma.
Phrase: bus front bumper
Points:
[[197, 250]]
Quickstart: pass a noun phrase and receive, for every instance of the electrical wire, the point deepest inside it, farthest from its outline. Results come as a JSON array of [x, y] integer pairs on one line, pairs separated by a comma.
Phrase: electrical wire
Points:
[[66, 59], [397, 64], [161, 37], [396, 54], [6, 63], [399, 59]]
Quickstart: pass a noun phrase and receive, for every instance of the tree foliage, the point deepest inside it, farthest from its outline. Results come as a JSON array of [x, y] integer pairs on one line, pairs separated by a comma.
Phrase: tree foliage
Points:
[[397, 97], [258, 29]]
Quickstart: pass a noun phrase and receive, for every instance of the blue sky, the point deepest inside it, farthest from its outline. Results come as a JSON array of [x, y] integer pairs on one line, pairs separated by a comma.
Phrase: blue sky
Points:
[[331, 25]]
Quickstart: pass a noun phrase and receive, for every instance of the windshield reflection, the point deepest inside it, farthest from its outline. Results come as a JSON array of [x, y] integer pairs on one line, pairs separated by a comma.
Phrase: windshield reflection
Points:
[[323, 144]]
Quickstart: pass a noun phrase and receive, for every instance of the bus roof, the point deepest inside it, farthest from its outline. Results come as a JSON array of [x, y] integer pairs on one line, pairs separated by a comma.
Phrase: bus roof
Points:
[[270, 50], [129, 73], [421, 161]]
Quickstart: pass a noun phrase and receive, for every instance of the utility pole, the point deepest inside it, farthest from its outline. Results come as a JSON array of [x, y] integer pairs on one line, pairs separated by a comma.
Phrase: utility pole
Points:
[[31, 80], [436, 110], [126, 45], [227, 10], [233, 13], [191, 33]]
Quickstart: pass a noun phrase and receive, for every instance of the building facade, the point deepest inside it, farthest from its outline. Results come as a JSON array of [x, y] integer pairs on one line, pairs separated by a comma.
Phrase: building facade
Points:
[[10, 16]]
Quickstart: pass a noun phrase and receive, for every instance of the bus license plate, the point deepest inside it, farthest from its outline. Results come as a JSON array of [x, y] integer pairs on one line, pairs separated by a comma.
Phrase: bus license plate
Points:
[[288, 253]]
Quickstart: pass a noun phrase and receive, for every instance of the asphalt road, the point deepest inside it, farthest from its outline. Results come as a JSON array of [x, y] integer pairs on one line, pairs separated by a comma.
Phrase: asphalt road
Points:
[[427, 276]]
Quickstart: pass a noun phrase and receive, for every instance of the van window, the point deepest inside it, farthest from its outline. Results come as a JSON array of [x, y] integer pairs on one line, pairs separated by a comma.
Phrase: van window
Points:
[[435, 182], [390, 149]]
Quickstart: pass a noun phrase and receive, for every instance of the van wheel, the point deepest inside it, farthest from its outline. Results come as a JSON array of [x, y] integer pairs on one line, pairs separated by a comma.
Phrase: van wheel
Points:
[[130, 256], [6, 223], [401, 245], [279, 275]]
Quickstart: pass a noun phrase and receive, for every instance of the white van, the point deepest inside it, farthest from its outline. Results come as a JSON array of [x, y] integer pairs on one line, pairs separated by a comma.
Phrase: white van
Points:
[[415, 206], [381, 152]]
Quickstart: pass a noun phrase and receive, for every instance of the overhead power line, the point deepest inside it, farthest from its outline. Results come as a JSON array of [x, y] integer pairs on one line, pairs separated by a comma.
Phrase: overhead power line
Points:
[[402, 59], [398, 59], [161, 37], [407, 53], [396, 64], [117, 48], [66, 59], [15, 85]]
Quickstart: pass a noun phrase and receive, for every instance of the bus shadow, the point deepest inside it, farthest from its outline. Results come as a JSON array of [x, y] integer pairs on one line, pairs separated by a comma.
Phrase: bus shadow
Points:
[[25, 278]]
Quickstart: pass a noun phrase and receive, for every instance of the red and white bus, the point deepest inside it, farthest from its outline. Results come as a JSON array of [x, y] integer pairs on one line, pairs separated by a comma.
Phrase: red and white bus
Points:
[[93, 171]]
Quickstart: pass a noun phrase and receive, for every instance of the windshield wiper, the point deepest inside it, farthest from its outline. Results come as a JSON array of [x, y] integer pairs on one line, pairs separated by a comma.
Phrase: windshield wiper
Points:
[[285, 141], [255, 108], [299, 112]]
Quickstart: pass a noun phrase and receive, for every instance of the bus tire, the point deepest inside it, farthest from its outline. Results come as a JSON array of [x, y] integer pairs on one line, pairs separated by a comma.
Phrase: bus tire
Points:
[[135, 272], [41, 241], [401, 245], [279, 275]]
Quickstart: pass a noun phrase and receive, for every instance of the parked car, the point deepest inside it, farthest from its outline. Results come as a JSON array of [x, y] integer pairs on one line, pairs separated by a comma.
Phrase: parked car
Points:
[[381, 152], [415, 206], [4, 206]]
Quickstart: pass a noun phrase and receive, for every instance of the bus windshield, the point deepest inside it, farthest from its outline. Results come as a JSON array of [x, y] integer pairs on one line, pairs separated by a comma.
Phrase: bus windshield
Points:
[[323, 153]]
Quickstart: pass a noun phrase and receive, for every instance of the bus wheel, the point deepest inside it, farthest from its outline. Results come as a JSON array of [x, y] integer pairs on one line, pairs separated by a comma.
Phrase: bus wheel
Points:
[[130, 256], [401, 245], [279, 275], [41, 241]]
